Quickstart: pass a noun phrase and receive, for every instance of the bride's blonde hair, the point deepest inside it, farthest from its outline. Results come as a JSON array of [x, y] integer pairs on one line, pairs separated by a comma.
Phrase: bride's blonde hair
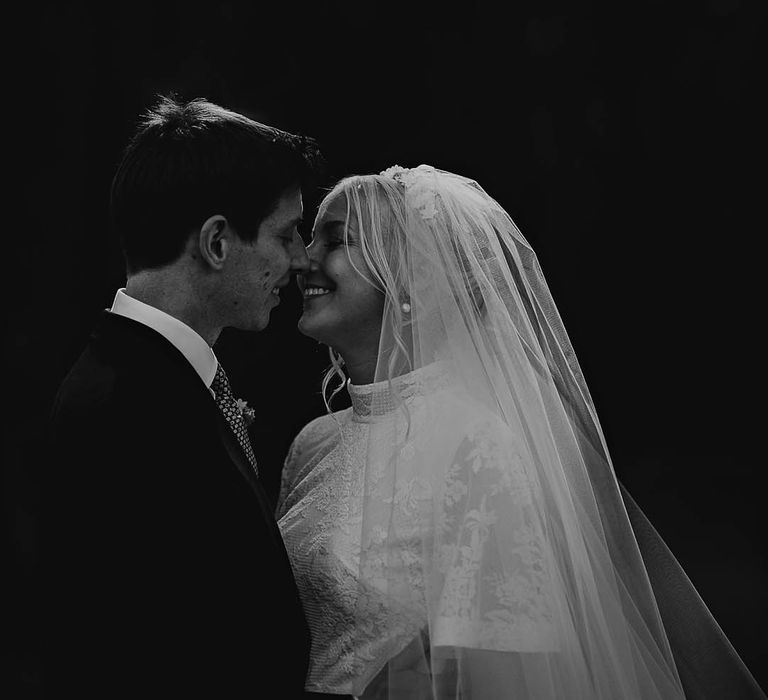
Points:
[[376, 204]]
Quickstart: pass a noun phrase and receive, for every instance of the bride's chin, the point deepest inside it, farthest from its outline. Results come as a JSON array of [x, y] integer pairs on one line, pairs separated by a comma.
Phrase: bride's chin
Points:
[[306, 327], [301, 325], [318, 332]]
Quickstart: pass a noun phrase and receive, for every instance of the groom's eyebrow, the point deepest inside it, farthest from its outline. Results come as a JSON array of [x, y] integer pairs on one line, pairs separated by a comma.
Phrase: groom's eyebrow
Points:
[[293, 223]]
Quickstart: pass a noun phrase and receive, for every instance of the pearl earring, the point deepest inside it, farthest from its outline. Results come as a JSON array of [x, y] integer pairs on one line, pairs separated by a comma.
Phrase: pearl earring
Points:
[[406, 307]]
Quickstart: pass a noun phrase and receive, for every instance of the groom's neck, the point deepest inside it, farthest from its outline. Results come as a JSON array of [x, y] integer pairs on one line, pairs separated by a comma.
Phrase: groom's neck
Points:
[[174, 294]]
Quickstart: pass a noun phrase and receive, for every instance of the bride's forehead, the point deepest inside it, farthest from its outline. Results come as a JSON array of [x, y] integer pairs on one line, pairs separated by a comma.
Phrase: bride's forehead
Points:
[[333, 209]]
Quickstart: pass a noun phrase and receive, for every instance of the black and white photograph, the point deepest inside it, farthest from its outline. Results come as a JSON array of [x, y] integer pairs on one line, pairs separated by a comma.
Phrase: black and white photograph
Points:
[[387, 351]]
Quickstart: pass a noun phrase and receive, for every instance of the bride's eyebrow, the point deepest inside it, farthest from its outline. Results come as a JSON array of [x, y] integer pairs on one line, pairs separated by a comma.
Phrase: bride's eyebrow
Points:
[[329, 227], [336, 224]]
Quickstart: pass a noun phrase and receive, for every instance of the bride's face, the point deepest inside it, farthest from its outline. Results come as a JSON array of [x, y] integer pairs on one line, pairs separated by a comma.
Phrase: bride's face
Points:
[[342, 308]]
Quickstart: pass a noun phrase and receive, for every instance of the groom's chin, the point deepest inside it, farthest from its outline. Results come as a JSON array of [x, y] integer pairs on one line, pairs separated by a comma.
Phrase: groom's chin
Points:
[[256, 324]]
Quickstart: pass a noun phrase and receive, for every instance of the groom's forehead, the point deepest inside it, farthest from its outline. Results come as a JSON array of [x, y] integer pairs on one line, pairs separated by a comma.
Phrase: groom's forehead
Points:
[[293, 201], [290, 208]]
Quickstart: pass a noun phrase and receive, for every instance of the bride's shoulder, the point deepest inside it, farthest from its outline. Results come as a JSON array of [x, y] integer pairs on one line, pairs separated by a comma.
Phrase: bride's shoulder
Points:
[[315, 439], [458, 419], [325, 424], [319, 430]]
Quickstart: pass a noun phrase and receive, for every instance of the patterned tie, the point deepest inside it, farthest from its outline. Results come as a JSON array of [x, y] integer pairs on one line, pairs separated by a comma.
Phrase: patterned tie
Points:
[[225, 400]]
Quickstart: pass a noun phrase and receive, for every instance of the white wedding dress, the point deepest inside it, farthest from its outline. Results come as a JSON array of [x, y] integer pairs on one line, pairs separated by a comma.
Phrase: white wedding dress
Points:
[[459, 532], [448, 518]]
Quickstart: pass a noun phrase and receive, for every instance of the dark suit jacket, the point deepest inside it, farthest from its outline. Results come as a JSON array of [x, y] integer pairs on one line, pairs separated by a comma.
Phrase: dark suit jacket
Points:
[[165, 568]]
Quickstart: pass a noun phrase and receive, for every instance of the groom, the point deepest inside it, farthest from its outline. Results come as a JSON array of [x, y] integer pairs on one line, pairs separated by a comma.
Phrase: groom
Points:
[[167, 570]]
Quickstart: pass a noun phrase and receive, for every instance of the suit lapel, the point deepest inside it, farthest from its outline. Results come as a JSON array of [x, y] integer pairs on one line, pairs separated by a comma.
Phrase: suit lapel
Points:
[[126, 336], [237, 456]]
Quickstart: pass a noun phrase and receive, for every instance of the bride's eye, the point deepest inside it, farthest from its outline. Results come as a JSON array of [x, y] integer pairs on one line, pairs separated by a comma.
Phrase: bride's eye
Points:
[[334, 243]]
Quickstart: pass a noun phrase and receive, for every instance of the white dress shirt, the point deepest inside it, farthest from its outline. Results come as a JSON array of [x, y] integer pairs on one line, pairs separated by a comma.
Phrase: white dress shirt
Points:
[[198, 353]]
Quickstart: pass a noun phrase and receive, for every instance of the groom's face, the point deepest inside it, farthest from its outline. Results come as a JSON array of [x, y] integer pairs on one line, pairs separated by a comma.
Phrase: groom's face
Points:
[[259, 270]]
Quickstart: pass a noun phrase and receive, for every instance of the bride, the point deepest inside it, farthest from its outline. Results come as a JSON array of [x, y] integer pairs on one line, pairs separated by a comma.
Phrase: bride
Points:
[[459, 532]]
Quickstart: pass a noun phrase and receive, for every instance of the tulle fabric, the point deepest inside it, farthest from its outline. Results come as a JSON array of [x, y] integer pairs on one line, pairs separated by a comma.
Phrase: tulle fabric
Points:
[[497, 559]]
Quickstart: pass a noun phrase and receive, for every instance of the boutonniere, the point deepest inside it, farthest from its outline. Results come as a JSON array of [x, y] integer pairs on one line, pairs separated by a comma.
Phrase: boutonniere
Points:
[[248, 414]]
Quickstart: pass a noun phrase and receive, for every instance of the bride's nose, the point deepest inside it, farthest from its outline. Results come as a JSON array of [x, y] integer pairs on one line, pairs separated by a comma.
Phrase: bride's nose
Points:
[[312, 254]]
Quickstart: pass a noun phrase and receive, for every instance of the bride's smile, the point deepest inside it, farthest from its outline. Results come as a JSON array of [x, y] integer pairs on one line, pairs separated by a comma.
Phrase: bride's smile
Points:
[[342, 305], [310, 291]]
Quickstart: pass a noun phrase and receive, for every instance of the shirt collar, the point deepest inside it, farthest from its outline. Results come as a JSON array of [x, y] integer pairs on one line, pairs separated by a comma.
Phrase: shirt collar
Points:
[[198, 353]]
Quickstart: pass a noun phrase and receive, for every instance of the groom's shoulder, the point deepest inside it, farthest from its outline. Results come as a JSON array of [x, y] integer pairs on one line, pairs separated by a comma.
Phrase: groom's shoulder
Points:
[[117, 373], [89, 382]]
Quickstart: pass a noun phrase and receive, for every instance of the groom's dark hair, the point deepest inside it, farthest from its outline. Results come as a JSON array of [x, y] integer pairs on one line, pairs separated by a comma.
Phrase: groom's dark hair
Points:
[[191, 160]]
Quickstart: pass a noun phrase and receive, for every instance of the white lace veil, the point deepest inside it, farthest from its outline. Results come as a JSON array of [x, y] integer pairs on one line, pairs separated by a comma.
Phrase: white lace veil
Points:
[[497, 557]]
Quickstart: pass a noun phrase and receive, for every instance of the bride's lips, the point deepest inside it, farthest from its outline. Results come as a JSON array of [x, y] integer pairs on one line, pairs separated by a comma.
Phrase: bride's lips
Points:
[[311, 291]]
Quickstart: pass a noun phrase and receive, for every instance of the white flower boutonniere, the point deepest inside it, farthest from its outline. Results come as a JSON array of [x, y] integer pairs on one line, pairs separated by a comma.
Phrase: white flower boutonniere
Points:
[[248, 414]]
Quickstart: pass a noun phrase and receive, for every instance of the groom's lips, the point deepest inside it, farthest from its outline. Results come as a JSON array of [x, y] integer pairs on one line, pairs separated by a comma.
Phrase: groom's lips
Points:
[[277, 289]]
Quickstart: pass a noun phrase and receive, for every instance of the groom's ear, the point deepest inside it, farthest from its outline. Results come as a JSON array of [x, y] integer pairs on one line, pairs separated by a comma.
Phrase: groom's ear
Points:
[[214, 241]]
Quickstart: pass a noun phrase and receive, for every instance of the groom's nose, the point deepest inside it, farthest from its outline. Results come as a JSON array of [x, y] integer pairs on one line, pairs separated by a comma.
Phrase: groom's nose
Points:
[[299, 257]]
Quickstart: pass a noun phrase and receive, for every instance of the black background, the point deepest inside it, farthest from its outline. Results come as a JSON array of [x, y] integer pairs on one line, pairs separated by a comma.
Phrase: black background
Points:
[[622, 137]]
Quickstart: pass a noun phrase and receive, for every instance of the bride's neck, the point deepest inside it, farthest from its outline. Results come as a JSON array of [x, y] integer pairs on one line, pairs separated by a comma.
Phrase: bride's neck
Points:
[[361, 370], [361, 366]]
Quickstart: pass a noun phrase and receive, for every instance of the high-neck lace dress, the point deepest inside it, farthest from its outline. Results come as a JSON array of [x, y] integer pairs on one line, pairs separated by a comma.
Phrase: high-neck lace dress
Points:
[[325, 511]]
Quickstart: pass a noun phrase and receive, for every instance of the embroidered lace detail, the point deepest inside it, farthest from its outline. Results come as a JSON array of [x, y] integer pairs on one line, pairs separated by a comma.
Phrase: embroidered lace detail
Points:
[[380, 398], [332, 483], [492, 599]]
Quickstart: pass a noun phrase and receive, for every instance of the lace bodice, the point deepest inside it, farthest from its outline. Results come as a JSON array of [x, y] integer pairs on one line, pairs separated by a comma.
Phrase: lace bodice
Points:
[[331, 477]]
